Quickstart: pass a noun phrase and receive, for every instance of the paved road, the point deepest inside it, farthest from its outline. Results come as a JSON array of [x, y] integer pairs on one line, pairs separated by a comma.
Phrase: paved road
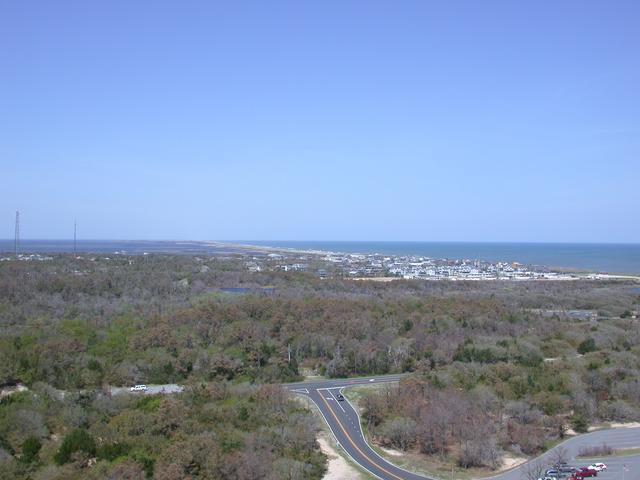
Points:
[[344, 422], [344, 382], [151, 389]]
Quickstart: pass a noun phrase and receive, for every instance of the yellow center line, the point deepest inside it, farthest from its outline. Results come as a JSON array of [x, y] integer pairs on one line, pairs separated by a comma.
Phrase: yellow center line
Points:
[[351, 441]]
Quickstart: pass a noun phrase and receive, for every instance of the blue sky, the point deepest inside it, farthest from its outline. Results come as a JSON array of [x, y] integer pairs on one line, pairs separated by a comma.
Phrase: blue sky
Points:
[[345, 120]]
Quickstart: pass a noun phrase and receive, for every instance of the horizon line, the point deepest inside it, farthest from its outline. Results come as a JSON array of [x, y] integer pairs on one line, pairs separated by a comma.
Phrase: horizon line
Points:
[[248, 242]]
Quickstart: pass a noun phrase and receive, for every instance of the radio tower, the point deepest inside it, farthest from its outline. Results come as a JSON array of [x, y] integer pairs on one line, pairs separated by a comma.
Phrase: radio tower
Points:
[[75, 228], [16, 245]]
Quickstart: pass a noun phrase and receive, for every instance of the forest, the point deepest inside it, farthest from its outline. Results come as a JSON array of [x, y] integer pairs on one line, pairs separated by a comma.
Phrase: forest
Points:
[[518, 363]]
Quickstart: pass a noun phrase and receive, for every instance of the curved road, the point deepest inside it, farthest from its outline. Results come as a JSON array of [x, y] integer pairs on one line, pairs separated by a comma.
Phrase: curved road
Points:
[[344, 422]]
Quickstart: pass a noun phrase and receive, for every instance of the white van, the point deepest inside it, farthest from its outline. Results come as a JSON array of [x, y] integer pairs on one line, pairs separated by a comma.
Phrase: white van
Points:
[[139, 388]]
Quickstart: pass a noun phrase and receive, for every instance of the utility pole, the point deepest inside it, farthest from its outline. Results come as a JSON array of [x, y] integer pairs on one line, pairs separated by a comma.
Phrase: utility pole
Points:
[[16, 241]]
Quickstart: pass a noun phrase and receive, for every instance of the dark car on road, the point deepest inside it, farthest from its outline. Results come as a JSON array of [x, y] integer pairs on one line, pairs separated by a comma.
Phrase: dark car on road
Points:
[[340, 397]]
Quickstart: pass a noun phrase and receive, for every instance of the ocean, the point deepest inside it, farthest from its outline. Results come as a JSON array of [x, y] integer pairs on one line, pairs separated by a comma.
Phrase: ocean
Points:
[[598, 257], [609, 258], [131, 247]]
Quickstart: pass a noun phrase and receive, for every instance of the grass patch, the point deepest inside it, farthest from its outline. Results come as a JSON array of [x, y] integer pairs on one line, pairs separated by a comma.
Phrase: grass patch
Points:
[[356, 393], [17, 397], [616, 452], [149, 404], [625, 452]]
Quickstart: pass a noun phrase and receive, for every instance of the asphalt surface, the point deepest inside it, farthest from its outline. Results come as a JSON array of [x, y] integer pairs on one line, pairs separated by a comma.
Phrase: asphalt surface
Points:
[[344, 423], [615, 438], [151, 389]]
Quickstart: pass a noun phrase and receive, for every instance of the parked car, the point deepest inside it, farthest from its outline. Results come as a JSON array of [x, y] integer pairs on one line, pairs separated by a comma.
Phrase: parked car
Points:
[[564, 468], [587, 472], [340, 397], [139, 388], [598, 467], [552, 472]]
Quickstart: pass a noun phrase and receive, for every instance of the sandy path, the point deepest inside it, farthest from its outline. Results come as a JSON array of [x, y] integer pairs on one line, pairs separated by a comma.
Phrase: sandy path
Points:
[[338, 467]]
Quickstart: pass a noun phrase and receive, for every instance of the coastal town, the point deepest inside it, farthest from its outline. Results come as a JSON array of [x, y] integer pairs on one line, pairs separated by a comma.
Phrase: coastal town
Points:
[[359, 266], [390, 267]]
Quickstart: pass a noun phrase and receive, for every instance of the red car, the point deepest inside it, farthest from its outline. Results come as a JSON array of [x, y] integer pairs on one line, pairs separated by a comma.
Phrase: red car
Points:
[[586, 472]]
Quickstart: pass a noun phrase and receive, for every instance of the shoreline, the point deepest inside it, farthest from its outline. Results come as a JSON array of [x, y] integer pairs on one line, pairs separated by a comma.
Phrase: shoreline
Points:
[[580, 273], [235, 248]]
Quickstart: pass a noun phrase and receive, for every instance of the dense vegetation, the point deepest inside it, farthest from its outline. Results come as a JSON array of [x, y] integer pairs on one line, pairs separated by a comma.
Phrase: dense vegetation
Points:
[[516, 367], [213, 431]]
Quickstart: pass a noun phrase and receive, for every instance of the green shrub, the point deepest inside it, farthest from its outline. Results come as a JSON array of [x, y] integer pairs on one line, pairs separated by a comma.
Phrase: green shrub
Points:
[[580, 423], [113, 450], [551, 404], [231, 441], [243, 413], [17, 397], [478, 354], [588, 345], [94, 365], [148, 403], [30, 449], [147, 462], [78, 440], [5, 445]]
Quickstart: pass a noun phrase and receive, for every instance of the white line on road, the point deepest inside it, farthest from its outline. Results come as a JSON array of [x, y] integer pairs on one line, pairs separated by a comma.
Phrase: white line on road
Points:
[[361, 433], [338, 442]]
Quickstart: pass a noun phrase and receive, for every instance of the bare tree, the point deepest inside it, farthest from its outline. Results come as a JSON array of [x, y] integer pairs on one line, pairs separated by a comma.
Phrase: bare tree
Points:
[[533, 470], [559, 455], [400, 431]]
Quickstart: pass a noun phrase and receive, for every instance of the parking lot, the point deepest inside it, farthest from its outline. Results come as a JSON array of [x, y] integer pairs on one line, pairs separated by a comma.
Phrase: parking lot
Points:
[[615, 468], [626, 468], [618, 438]]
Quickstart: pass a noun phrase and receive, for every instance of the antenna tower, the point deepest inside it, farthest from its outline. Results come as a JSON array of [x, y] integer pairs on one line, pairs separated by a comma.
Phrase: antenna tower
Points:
[[75, 229], [16, 241]]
